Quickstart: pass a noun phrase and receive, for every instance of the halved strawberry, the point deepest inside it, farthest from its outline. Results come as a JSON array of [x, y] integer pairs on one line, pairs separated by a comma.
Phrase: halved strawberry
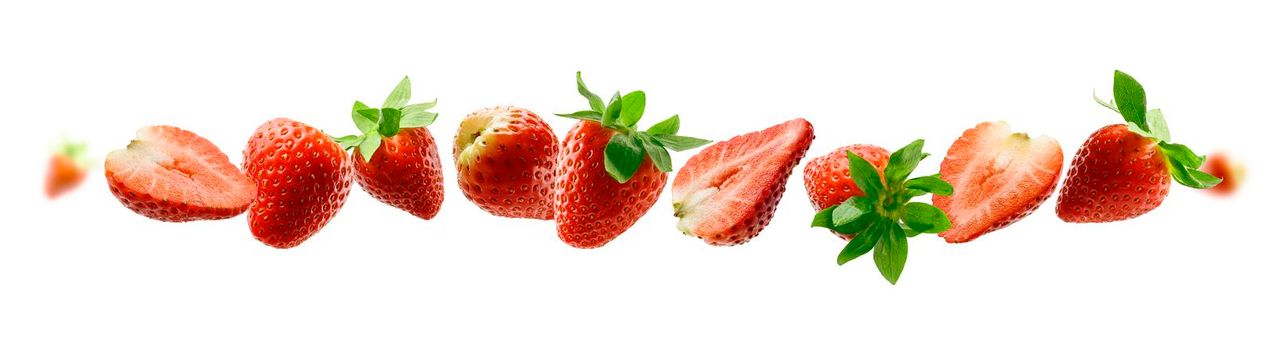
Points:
[[998, 176], [170, 174], [728, 192]]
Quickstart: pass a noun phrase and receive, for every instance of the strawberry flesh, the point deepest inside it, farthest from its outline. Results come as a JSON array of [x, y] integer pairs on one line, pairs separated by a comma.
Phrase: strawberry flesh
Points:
[[727, 193], [999, 178], [170, 174]]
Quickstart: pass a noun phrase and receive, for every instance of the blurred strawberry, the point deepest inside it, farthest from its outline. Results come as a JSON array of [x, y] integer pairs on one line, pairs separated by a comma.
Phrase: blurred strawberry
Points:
[[1230, 171], [67, 167]]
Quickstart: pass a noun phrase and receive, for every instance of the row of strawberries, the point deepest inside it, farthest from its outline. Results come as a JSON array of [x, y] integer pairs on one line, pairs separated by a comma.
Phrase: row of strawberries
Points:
[[606, 173]]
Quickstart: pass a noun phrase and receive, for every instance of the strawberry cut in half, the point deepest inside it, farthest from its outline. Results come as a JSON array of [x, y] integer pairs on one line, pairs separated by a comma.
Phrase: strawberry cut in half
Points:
[[170, 174], [727, 193], [999, 177]]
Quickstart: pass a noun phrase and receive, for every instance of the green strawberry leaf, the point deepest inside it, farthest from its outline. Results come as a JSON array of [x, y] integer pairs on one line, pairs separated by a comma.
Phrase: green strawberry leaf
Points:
[[923, 217], [1183, 164], [823, 218], [680, 143], [865, 175], [633, 108], [930, 184], [662, 160], [1107, 104], [583, 115], [594, 101], [1129, 95], [863, 242], [1157, 125], [417, 119], [613, 110], [348, 142], [851, 210], [668, 126], [389, 121], [365, 121], [369, 146], [890, 252], [903, 162], [623, 157], [400, 95]]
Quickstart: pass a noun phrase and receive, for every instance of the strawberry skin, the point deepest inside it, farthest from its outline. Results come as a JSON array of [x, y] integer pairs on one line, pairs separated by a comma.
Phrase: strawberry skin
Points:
[[64, 175], [827, 179], [589, 206], [1116, 175], [728, 193], [505, 159], [303, 179], [999, 177], [170, 174], [405, 172]]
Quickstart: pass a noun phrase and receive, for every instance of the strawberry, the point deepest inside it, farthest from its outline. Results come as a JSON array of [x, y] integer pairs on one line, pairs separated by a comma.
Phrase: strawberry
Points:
[[999, 177], [67, 169], [728, 192], [303, 177], [1230, 171], [170, 174], [828, 182], [505, 157], [608, 173], [396, 159], [1125, 170], [883, 217]]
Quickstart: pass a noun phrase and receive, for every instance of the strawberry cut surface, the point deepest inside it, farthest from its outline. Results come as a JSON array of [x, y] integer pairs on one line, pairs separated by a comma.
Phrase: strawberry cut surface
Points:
[[727, 193], [999, 177], [170, 174]]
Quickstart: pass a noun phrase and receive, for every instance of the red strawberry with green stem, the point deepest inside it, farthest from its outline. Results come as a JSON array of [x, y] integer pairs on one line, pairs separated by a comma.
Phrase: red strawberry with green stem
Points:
[[170, 174], [396, 159], [884, 216], [1125, 170], [609, 173], [504, 160], [303, 179], [728, 192], [827, 179]]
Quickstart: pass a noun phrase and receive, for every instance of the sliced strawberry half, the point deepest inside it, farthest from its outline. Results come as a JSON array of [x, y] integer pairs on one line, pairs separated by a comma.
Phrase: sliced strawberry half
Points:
[[998, 176], [727, 193], [170, 174]]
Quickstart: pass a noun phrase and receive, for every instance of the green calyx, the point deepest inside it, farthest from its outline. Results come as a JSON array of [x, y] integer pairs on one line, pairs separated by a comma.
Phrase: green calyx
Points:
[[884, 217], [1129, 101], [628, 148], [394, 114], [76, 151]]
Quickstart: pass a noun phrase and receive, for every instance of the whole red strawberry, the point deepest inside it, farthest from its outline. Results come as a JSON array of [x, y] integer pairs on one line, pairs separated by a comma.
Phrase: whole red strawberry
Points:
[[727, 193], [67, 169], [505, 158], [396, 159], [608, 173], [302, 176], [170, 174], [1125, 170], [827, 179]]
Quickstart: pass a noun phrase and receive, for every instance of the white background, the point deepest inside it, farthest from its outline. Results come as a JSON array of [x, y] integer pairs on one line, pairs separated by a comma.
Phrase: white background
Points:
[[84, 272]]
